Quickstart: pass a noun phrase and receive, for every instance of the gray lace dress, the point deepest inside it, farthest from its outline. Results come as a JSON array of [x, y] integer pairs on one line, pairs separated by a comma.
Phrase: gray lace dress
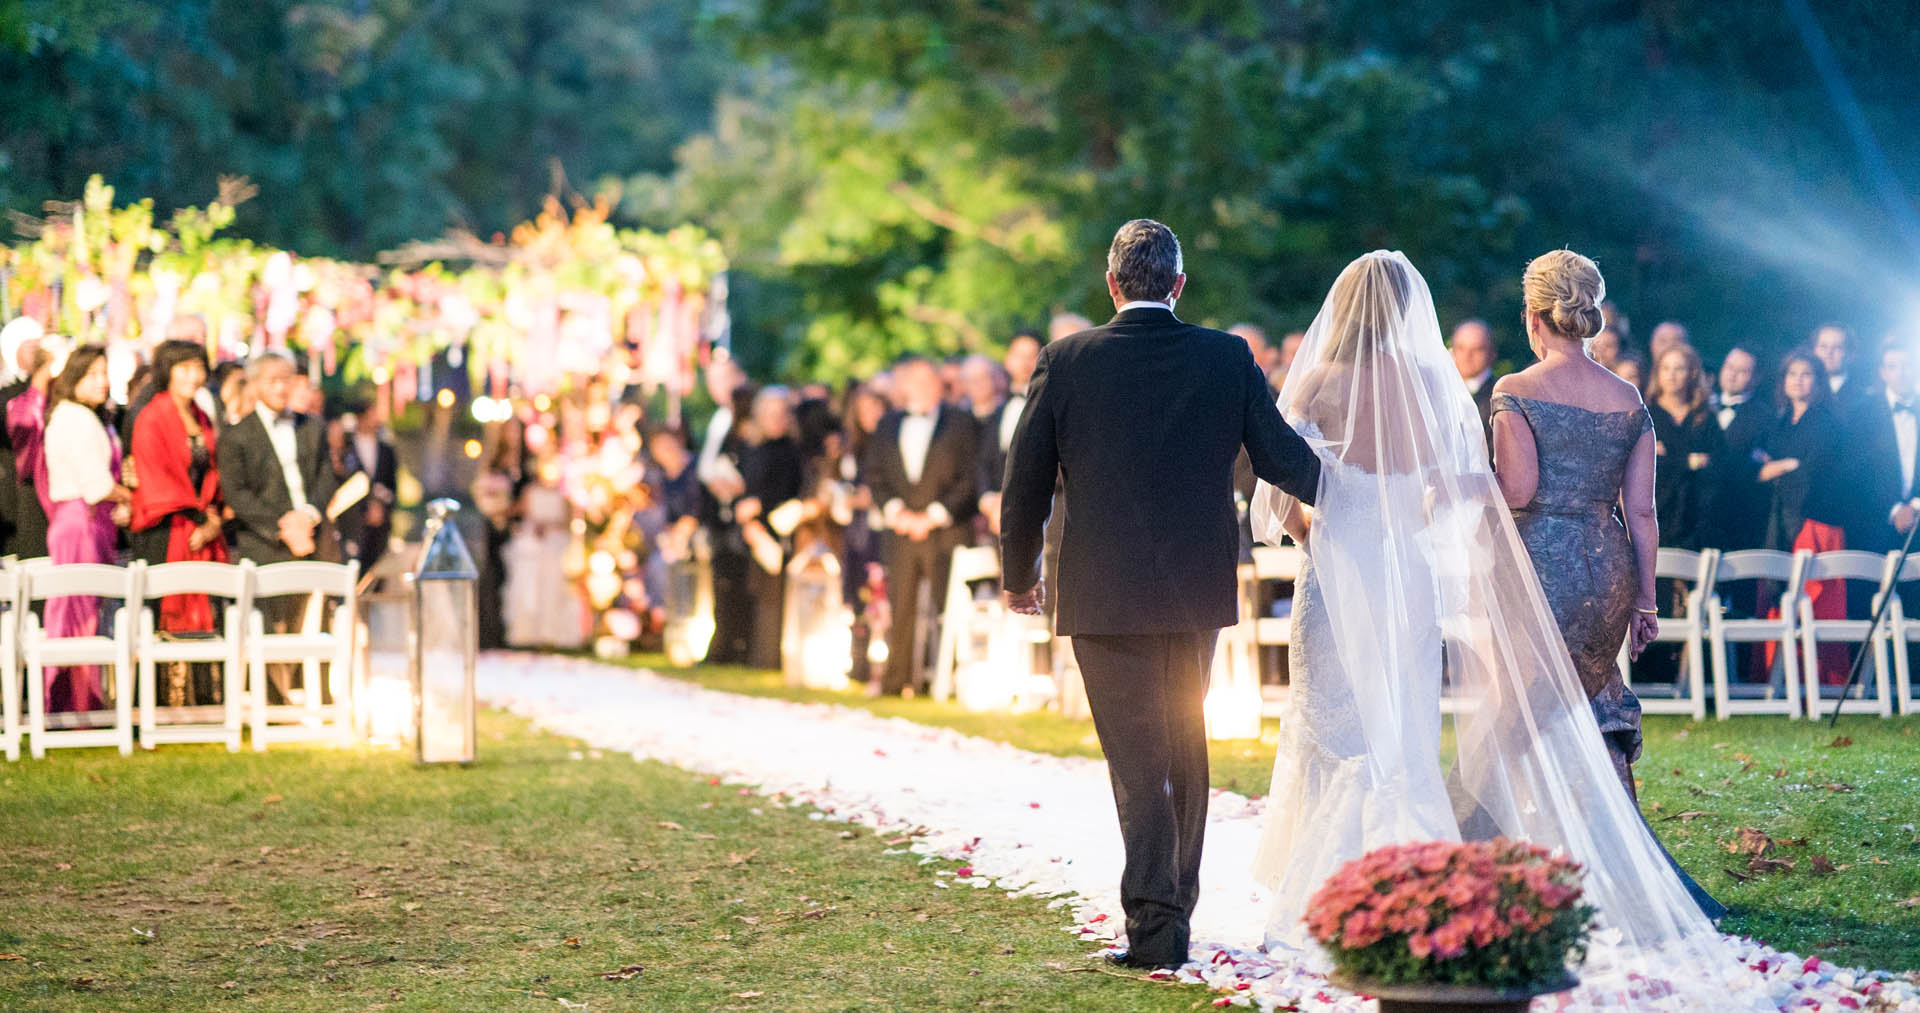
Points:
[[1585, 560]]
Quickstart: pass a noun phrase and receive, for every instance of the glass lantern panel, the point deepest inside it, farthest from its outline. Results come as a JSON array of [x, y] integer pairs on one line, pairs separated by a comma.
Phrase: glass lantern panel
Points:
[[446, 670]]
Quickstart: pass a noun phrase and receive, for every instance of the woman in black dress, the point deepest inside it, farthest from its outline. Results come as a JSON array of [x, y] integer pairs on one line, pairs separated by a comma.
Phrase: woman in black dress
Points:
[[773, 470], [1805, 513], [1686, 440]]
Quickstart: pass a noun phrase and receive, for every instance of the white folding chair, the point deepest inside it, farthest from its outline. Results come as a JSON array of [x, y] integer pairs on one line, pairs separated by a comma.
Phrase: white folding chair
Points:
[[10, 662], [224, 647], [961, 620], [42, 650], [1903, 631], [1258, 632], [1781, 693], [321, 708], [1844, 566], [1687, 695]]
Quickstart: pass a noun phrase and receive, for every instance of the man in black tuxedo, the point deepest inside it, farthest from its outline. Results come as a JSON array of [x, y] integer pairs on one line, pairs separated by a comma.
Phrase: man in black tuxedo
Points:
[[1473, 353], [1144, 416], [275, 474], [1884, 447], [1833, 346], [920, 465], [366, 525], [1740, 501]]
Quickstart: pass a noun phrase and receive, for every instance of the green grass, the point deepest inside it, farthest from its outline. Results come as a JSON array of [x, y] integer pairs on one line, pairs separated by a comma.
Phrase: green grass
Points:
[[317, 879], [1857, 806]]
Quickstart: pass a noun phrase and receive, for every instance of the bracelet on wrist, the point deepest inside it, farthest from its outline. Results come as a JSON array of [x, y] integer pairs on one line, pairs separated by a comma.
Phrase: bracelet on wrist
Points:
[[1647, 612]]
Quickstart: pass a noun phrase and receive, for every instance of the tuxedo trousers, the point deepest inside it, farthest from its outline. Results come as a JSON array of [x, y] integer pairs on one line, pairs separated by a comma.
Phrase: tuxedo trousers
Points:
[[908, 564], [1146, 693]]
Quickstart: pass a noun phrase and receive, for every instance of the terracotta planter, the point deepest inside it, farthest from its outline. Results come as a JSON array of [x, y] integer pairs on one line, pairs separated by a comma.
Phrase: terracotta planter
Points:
[[1436, 998]]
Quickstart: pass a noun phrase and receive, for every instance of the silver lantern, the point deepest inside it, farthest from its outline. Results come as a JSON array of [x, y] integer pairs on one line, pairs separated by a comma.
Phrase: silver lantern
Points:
[[445, 641]]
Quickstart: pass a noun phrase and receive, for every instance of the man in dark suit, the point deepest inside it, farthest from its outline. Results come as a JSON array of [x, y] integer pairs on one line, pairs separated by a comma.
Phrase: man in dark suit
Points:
[[1884, 447], [1833, 346], [1739, 500], [274, 472], [1144, 416], [920, 465], [1473, 353], [996, 430], [366, 525]]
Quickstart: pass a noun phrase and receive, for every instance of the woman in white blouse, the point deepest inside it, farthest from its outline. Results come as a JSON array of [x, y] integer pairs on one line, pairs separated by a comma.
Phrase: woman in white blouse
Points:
[[86, 504]]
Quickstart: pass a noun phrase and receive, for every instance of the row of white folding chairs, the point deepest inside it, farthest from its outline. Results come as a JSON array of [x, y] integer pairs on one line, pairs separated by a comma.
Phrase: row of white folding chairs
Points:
[[1705, 631], [244, 649]]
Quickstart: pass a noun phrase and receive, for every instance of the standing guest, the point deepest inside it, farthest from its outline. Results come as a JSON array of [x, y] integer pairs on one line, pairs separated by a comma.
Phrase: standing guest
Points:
[[1631, 368], [1023, 353], [732, 560], [1574, 449], [983, 386], [227, 385], [366, 526], [1611, 319], [1801, 450], [19, 347], [26, 435], [496, 491], [1738, 503], [724, 379], [921, 467], [85, 504], [772, 471], [274, 471], [1256, 338], [861, 571], [1605, 347], [1667, 335], [1833, 346], [1883, 451], [1289, 349], [1687, 440], [1066, 324], [1473, 354], [673, 516]]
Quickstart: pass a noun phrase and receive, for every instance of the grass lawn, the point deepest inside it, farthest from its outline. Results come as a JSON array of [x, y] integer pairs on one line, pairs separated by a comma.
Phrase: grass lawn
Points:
[[1841, 822], [332, 880]]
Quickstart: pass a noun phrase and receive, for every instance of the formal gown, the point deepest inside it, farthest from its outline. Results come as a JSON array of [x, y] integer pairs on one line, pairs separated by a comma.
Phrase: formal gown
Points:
[[1807, 512], [81, 460], [1353, 775], [1585, 560], [541, 606], [1682, 493]]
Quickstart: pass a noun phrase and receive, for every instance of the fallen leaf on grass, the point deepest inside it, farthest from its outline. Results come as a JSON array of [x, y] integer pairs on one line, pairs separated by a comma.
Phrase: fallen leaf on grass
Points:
[[1779, 773], [1840, 743], [272, 800], [10, 956], [706, 837], [1749, 842], [669, 825], [229, 984], [736, 858], [573, 941], [1820, 865], [627, 973], [145, 935], [1838, 786], [63, 867], [1738, 877], [1909, 902], [755, 995], [1743, 757], [1689, 816], [1766, 865]]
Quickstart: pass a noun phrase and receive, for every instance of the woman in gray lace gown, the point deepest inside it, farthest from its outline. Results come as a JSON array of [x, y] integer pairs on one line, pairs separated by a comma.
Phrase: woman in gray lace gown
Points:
[[1573, 451]]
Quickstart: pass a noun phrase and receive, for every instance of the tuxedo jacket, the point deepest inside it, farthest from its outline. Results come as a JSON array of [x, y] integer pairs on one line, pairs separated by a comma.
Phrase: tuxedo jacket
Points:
[[1483, 403], [256, 490], [992, 468], [1143, 417], [1874, 474], [1739, 500], [367, 542], [949, 476]]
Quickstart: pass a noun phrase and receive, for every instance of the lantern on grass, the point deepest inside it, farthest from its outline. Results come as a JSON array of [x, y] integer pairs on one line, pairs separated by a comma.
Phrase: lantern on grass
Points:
[[445, 631], [689, 604], [816, 631]]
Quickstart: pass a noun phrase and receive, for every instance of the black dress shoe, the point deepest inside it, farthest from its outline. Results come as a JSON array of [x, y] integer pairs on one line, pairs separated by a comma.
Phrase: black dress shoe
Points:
[[1127, 960]]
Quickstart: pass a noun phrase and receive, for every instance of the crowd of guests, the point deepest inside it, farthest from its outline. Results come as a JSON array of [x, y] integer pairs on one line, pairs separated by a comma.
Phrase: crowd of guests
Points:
[[193, 462], [1815, 449]]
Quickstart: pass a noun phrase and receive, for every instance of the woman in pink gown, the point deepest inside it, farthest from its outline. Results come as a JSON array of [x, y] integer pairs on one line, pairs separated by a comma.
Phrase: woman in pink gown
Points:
[[85, 505]]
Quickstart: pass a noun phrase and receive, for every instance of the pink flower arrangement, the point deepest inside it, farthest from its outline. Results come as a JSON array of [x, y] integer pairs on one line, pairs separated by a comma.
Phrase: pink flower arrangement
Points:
[[1496, 913]]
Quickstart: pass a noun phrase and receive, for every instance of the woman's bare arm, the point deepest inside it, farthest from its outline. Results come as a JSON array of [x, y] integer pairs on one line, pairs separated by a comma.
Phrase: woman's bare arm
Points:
[[1643, 525], [1515, 458]]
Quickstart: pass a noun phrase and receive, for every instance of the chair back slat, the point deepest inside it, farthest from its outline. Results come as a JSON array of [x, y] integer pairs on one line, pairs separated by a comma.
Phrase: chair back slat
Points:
[[1677, 564], [1755, 564], [1277, 562], [304, 577], [194, 577], [1847, 564], [1909, 571], [51, 580]]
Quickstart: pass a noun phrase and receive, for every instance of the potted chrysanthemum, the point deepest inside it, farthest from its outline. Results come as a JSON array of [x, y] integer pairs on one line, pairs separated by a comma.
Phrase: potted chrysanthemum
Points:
[[1483, 925]]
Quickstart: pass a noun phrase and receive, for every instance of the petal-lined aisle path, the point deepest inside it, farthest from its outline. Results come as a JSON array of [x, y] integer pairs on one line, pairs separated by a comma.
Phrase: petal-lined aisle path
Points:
[[1020, 821]]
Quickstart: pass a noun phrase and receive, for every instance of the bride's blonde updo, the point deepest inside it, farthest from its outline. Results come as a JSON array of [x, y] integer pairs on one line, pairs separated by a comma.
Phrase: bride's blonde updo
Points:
[[1566, 289]]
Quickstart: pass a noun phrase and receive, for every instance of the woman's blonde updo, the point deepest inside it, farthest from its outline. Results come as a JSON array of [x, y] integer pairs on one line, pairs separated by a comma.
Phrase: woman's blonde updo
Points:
[[1566, 289]]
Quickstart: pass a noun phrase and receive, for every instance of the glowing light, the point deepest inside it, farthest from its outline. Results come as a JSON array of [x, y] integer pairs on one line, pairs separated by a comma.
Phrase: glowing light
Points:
[[472, 449], [444, 399], [825, 655], [381, 375], [543, 402], [389, 710], [600, 562], [877, 651]]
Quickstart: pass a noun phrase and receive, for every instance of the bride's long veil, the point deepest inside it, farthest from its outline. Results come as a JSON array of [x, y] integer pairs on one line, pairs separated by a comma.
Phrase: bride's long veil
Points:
[[1374, 389]]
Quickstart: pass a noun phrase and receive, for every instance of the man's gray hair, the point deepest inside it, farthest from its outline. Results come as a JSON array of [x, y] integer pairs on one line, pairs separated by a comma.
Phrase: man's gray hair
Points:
[[1144, 260], [262, 361]]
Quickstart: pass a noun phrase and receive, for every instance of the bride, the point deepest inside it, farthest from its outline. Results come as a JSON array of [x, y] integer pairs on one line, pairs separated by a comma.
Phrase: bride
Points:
[[1415, 577]]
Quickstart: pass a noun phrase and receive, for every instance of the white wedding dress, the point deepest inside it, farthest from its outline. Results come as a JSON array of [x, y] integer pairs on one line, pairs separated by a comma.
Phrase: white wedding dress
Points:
[[1416, 576]]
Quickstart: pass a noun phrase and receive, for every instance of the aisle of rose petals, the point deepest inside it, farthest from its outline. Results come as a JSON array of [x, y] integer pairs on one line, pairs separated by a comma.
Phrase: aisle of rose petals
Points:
[[1025, 823]]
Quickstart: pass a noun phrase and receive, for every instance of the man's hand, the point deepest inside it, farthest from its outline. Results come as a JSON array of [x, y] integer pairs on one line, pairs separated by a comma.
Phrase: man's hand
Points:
[[1903, 516], [296, 530], [990, 509], [1029, 603]]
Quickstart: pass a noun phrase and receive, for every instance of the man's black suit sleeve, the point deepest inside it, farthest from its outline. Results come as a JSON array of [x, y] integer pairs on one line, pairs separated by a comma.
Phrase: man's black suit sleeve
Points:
[[317, 470], [961, 495], [879, 477], [1026, 493], [240, 483], [1277, 453]]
